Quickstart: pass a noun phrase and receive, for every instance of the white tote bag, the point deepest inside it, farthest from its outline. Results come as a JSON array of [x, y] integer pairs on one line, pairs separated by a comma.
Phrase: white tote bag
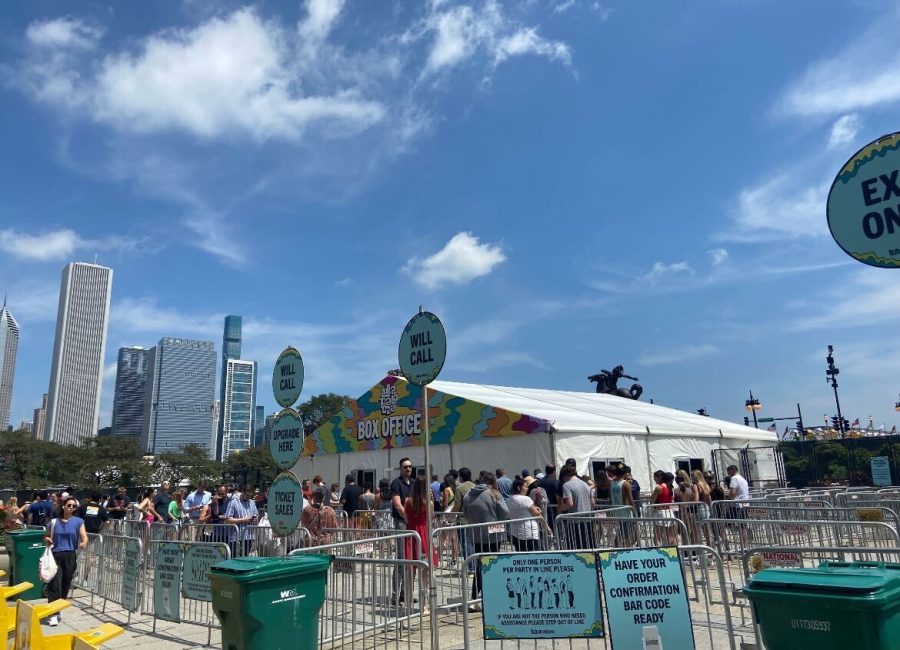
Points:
[[47, 566]]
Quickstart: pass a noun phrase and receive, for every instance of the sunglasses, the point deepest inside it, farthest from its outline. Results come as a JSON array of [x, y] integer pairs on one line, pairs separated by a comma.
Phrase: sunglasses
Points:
[[406, 467], [71, 506]]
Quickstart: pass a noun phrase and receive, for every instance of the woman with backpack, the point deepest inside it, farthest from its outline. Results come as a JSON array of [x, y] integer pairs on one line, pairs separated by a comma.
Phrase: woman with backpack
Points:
[[64, 536], [483, 504]]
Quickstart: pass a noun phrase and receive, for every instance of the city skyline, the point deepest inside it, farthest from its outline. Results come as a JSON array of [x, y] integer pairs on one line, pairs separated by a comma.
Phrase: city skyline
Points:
[[568, 185], [79, 347]]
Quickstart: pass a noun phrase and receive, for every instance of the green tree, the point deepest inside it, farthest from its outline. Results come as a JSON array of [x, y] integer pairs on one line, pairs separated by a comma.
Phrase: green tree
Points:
[[189, 462], [107, 461], [254, 466], [20, 460], [318, 409]]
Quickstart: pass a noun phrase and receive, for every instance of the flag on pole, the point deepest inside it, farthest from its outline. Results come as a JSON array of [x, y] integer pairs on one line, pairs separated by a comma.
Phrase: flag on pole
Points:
[[894, 429], [772, 427], [855, 423], [784, 435]]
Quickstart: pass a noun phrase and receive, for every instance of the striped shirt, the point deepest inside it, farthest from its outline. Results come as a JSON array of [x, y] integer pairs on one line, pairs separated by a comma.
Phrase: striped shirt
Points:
[[240, 509]]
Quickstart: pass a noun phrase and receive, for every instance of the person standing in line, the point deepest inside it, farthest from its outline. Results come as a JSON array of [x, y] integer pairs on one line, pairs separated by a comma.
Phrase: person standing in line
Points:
[[663, 494], [93, 514], [550, 485], [620, 494], [401, 490], [146, 509], [241, 511], [525, 535], [464, 535], [65, 535], [319, 519], [196, 502], [39, 512], [161, 502], [484, 504], [419, 507], [383, 507], [218, 506], [740, 494], [436, 492], [335, 499], [504, 483], [349, 500], [176, 507], [576, 498], [118, 504], [448, 501]]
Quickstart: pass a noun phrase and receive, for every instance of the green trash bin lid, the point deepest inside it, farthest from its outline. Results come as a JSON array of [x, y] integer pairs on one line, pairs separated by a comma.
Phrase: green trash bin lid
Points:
[[845, 579], [250, 568], [25, 533]]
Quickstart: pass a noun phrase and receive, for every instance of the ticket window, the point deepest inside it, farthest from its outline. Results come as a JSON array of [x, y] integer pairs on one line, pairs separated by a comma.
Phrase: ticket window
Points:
[[365, 477], [688, 464], [599, 465]]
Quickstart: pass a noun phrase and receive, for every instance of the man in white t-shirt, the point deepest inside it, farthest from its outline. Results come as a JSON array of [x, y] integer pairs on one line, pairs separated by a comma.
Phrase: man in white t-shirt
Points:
[[740, 492]]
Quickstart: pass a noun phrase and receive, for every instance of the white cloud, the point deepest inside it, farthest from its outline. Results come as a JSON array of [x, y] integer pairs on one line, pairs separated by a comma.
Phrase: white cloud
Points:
[[526, 41], [229, 75], [321, 18], [678, 355], [34, 301], [865, 74], [563, 6], [56, 244], [147, 316], [783, 207], [844, 130], [63, 33], [718, 256], [870, 297], [460, 32], [462, 260], [661, 271]]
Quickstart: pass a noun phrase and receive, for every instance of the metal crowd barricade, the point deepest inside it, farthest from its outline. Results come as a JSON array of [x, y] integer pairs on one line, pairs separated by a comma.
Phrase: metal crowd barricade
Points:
[[111, 575], [711, 618], [87, 570], [805, 512], [265, 543], [586, 531], [847, 499], [197, 612], [374, 601], [690, 513], [217, 533], [455, 543]]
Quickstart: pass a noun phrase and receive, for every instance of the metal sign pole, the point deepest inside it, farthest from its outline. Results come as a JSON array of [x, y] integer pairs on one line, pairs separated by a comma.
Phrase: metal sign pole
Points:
[[429, 523]]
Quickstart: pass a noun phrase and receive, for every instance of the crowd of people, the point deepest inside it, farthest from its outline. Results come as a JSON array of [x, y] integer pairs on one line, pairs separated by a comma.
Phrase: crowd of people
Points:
[[529, 501]]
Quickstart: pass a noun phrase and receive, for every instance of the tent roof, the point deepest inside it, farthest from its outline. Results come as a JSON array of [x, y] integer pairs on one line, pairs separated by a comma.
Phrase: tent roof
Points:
[[574, 412]]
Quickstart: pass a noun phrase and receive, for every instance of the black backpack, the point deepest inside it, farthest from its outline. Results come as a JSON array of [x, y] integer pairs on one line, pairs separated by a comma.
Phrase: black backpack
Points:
[[39, 516]]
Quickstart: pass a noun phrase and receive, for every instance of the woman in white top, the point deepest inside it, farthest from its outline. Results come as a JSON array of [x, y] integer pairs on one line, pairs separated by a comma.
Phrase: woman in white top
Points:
[[525, 535]]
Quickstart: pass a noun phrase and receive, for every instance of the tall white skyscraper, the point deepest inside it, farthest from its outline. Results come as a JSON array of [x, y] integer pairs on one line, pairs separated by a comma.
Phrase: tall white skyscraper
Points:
[[76, 375], [9, 345]]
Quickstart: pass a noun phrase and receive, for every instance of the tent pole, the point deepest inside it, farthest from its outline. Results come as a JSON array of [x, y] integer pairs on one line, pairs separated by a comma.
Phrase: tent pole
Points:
[[647, 449], [552, 447]]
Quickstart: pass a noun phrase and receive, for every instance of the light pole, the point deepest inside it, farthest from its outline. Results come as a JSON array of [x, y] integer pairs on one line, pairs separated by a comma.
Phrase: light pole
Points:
[[831, 374], [753, 406]]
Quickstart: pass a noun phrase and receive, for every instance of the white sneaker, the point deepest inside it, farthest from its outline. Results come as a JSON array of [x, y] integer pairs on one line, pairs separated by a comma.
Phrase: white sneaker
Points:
[[54, 621]]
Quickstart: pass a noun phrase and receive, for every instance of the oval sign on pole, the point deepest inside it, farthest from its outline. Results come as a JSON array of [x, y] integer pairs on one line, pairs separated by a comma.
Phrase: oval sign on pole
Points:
[[285, 504], [287, 377], [286, 438], [423, 349], [864, 204]]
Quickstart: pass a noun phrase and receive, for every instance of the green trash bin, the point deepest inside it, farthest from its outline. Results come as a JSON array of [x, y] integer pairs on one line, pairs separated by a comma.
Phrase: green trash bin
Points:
[[25, 549], [270, 603], [836, 606]]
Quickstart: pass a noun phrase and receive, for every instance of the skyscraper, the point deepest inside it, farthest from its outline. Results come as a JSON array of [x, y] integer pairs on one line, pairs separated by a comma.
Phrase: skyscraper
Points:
[[231, 349], [40, 419], [76, 374], [131, 391], [9, 345], [238, 408], [181, 387], [259, 424]]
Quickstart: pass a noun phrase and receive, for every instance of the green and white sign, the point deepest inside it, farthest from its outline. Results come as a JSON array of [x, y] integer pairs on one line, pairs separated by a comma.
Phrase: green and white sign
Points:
[[286, 438], [131, 573], [285, 503], [166, 582], [287, 377], [195, 578], [864, 204], [423, 349]]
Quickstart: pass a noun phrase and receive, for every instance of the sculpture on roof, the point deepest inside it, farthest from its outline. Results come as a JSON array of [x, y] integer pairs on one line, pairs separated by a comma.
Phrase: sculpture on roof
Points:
[[607, 383]]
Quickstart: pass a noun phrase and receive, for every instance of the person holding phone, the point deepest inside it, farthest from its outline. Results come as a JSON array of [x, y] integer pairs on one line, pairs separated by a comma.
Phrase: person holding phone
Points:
[[241, 512]]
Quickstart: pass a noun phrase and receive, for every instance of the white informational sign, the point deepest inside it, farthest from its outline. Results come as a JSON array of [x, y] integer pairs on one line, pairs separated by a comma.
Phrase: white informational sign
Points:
[[131, 573], [166, 582], [197, 562], [881, 470]]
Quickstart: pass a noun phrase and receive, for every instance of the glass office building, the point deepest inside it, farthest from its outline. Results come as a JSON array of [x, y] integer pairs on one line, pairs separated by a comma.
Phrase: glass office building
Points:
[[238, 408], [131, 391]]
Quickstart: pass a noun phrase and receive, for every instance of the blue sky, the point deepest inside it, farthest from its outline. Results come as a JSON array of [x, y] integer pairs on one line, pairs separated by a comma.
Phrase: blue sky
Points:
[[569, 184]]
